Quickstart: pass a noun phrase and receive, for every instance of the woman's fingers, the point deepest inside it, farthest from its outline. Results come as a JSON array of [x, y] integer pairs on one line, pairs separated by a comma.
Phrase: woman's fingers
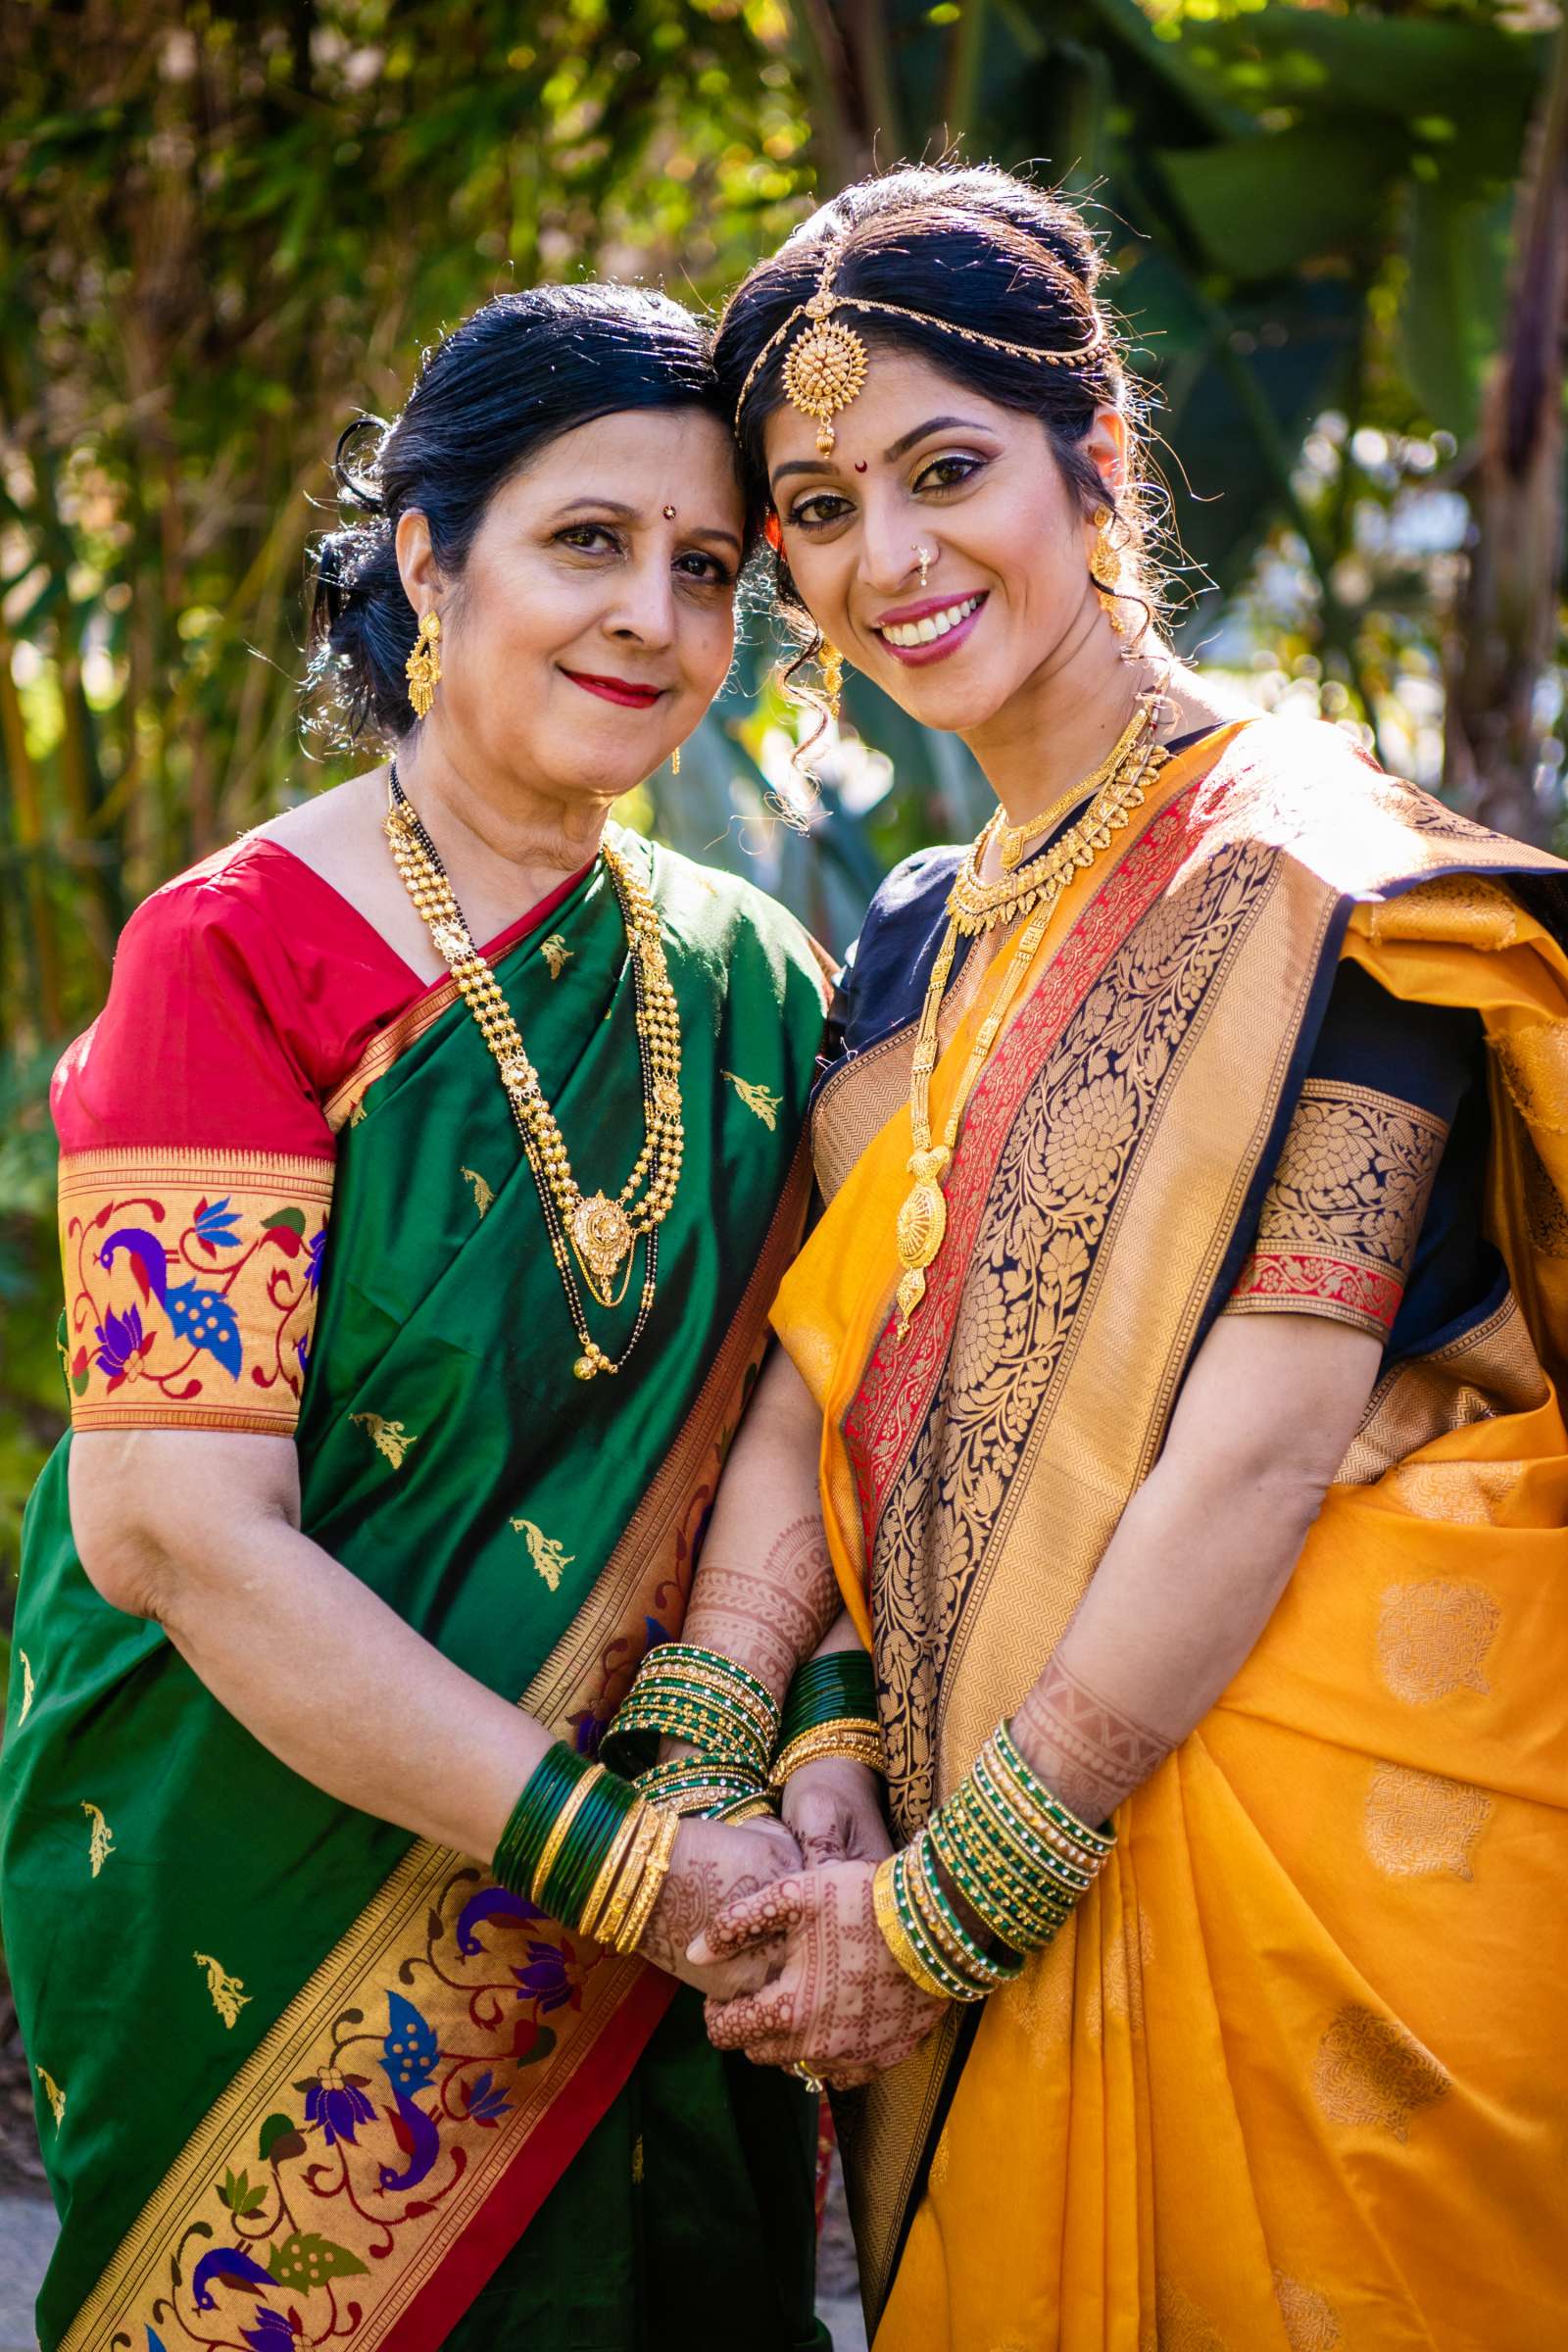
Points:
[[753, 2018], [754, 1918]]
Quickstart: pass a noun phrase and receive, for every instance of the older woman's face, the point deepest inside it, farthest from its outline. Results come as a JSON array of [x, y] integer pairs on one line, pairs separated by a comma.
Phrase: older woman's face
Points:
[[921, 460], [594, 621]]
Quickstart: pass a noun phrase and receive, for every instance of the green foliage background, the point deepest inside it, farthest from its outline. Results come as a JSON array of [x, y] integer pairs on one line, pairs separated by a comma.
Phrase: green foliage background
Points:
[[224, 229]]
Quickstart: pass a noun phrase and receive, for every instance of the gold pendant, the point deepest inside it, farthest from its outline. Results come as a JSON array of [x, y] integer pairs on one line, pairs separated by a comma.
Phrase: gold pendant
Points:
[[921, 1228], [602, 1233]]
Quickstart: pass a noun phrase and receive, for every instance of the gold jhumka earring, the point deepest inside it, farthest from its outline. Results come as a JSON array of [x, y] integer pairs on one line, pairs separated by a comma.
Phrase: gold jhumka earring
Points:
[[1105, 566], [825, 368], [832, 675], [423, 669]]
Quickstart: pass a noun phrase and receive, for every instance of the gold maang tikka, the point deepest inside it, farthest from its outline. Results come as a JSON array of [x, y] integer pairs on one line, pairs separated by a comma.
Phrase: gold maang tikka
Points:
[[825, 368]]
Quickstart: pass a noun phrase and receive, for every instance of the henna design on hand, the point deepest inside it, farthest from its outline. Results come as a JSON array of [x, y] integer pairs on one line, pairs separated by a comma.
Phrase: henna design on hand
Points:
[[772, 1615], [709, 1872], [1088, 1752], [840, 2002]]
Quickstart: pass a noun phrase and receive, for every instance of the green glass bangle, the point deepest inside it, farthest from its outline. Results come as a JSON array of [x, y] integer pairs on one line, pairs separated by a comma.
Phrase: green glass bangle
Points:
[[934, 1961], [985, 1970], [544, 1793], [1023, 1929], [827, 1690], [1096, 1841], [670, 1655], [586, 1848], [1031, 1899]]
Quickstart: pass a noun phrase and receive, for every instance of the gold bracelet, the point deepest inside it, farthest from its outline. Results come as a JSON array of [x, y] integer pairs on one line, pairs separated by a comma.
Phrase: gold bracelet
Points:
[[630, 1879], [655, 1872], [599, 1894], [558, 1828], [849, 1739], [893, 1934]]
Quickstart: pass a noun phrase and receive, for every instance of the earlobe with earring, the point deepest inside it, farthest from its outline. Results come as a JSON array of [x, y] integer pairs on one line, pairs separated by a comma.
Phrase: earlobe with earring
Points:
[[1105, 566], [423, 669], [832, 675]]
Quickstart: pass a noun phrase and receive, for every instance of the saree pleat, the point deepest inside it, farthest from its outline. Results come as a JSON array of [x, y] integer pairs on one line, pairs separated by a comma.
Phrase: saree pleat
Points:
[[353, 2097], [1293, 2078]]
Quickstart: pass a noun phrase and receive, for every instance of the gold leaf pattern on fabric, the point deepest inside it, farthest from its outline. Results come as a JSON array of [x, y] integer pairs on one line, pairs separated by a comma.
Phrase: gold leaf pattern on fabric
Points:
[[1461, 908], [1117, 1989], [52, 2093], [1433, 1638], [1045, 1215], [483, 1192], [758, 1100], [26, 1688], [1179, 2324], [1533, 1062], [191, 1286], [101, 1841], [1343, 1212], [228, 1995], [1419, 1825], [556, 954], [1312, 2323], [1371, 2072], [548, 1556], [1460, 1494], [1042, 1999], [389, 1438], [637, 2161]]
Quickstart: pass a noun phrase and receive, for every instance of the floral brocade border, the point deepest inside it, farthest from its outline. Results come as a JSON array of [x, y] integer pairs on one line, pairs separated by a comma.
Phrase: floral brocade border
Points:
[[191, 1281], [1346, 1289]]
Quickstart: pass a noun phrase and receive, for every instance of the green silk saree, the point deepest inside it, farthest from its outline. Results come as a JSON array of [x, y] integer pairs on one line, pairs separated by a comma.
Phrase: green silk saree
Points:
[[300, 2077]]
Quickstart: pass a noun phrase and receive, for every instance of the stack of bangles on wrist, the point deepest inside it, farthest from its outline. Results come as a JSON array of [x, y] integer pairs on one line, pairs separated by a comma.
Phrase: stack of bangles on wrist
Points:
[[705, 1700], [830, 1713], [584, 1846], [1019, 1860]]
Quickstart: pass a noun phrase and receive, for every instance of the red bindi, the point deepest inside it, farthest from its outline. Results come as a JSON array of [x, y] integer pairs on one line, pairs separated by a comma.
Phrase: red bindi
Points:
[[860, 465]]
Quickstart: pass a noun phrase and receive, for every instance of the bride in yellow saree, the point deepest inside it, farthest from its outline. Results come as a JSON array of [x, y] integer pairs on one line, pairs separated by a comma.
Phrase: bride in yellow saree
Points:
[[1186, 1326]]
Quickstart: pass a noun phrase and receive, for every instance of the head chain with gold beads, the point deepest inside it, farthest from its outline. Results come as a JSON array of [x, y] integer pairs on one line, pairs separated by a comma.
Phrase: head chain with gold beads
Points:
[[825, 370]]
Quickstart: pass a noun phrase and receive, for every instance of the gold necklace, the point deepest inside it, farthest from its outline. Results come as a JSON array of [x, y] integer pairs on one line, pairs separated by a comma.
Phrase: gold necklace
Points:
[[974, 905], [600, 1233], [1014, 840], [923, 1217]]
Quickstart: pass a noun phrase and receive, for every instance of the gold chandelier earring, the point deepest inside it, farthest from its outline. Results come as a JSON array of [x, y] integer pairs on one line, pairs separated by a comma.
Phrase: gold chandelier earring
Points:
[[423, 669], [1105, 571], [832, 662]]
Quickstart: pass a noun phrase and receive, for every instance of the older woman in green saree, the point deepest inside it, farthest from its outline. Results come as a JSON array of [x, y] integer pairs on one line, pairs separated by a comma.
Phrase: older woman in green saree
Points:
[[398, 1409]]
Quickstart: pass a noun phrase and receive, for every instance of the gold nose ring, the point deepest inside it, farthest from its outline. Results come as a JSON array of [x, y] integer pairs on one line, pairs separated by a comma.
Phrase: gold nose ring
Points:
[[922, 556]]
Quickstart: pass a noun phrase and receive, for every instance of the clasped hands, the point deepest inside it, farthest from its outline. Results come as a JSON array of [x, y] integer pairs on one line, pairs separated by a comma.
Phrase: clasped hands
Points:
[[831, 1997]]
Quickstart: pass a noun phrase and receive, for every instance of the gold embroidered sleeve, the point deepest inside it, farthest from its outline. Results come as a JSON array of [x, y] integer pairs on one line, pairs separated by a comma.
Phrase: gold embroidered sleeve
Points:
[[191, 1281], [1343, 1212]]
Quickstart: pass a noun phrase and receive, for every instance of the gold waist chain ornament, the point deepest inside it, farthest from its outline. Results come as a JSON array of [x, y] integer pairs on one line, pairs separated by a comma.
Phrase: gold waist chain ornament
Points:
[[600, 1233], [1118, 786]]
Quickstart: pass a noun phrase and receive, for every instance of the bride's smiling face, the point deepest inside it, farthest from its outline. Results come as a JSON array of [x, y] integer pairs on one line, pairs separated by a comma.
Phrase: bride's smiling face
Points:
[[920, 460]]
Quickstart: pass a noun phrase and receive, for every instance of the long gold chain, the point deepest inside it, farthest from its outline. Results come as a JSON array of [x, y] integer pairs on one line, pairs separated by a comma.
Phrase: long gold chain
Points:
[[600, 1233], [923, 1217]]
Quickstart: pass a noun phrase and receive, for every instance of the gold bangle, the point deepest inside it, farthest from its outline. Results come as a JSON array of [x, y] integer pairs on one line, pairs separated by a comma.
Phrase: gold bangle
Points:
[[558, 1828], [630, 1879], [851, 1740], [655, 1872], [894, 1937], [600, 1893]]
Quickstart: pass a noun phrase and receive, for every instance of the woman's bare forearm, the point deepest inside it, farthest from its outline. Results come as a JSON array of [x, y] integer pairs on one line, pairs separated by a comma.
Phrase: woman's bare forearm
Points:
[[199, 1531], [766, 1592], [1200, 1557]]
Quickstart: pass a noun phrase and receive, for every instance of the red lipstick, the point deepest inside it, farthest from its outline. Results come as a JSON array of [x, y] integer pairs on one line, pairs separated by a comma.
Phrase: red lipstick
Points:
[[624, 691]]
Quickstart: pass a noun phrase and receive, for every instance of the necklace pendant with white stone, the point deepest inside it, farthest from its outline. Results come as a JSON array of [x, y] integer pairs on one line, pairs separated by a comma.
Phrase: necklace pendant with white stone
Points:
[[602, 1235]]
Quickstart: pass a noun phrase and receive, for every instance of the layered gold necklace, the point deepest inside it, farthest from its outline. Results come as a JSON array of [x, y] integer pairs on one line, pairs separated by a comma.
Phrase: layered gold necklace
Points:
[[600, 1233], [1118, 786]]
